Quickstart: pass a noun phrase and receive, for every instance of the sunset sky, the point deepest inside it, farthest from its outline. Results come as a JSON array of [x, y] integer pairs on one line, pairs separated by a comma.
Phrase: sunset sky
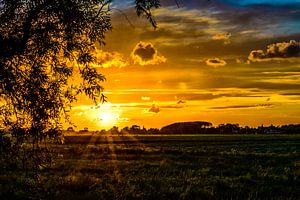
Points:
[[222, 61]]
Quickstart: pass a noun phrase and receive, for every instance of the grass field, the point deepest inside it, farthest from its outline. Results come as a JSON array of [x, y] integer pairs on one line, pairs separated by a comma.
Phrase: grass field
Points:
[[165, 167]]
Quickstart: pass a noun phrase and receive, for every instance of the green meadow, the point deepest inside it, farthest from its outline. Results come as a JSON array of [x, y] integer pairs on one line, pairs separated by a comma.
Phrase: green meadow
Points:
[[164, 167]]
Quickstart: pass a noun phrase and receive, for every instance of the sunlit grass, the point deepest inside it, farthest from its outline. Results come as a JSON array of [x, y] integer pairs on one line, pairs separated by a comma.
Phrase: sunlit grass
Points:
[[129, 166]]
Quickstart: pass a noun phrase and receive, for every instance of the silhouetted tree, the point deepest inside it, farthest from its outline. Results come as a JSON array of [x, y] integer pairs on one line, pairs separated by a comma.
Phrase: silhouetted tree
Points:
[[229, 128], [114, 130], [153, 131], [42, 44], [70, 129], [135, 129], [196, 127], [125, 130]]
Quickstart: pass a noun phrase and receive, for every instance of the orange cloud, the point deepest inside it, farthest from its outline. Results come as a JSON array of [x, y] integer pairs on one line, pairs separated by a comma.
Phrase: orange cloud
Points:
[[215, 62], [145, 98], [146, 54], [223, 37], [277, 51], [108, 59], [154, 108]]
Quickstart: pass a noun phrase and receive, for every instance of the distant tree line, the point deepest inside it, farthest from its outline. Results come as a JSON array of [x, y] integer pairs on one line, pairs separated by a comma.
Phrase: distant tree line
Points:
[[199, 127]]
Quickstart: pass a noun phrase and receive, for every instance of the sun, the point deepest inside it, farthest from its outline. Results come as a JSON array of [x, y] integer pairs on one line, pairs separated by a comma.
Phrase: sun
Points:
[[108, 116]]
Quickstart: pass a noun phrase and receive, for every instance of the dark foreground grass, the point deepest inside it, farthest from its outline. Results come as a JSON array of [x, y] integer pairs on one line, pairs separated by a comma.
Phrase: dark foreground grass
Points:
[[169, 169]]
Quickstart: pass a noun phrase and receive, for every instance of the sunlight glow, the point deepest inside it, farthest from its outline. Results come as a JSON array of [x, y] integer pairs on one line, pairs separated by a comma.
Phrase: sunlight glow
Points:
[[108, 115]]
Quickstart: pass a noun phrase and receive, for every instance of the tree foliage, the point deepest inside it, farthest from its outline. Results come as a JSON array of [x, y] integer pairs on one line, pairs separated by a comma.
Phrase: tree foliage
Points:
[[43, 43]]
